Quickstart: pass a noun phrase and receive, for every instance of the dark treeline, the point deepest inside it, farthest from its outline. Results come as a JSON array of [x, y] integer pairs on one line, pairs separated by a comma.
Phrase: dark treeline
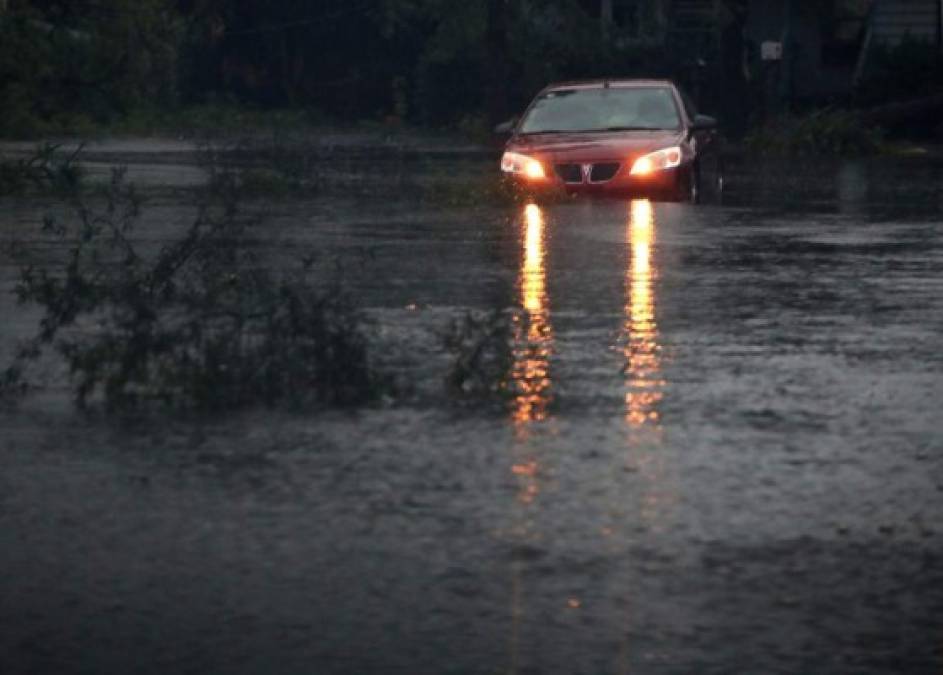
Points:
[[428, 62], [422, 61]]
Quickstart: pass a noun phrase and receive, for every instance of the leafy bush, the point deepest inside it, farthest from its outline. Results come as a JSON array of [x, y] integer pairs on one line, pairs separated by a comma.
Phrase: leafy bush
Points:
[[480, 345], [827, 131], [200, 323], [64, 65]]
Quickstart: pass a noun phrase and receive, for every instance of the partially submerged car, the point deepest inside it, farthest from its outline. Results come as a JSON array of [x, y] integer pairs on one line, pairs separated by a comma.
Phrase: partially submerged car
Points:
[[614, 137]]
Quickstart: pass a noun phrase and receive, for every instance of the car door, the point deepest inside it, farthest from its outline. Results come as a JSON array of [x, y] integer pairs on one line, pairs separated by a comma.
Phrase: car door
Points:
[[707, 145]]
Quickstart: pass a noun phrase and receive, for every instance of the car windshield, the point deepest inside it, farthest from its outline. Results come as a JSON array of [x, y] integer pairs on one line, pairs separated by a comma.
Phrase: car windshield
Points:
[[610, 108]]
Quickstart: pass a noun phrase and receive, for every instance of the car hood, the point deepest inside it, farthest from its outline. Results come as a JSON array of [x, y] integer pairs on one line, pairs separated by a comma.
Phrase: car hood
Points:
[[594, 146]]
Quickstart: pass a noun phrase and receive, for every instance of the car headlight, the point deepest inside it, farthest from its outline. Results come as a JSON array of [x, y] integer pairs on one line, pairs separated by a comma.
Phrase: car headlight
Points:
[[657, 161], [514, 162]]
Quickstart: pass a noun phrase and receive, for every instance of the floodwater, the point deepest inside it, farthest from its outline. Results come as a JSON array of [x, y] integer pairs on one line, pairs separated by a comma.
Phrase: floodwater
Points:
[[724, 454]]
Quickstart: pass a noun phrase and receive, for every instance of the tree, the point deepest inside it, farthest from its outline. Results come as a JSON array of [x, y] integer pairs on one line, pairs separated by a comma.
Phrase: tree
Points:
[[90, 58]]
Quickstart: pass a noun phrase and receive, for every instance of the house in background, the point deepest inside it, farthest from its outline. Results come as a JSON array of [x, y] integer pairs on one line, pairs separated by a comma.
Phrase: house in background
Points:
[[766, 56], [825, 46], [817, 49], [894, 22]]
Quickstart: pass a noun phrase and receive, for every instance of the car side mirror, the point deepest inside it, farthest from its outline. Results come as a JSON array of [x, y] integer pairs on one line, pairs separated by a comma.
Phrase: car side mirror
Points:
[[704, 123], [506, 127]]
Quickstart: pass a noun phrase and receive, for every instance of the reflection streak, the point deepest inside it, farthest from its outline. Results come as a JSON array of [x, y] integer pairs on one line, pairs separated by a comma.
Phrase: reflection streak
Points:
[[643, 385], [530, 385], [642, 367], [533, 336]]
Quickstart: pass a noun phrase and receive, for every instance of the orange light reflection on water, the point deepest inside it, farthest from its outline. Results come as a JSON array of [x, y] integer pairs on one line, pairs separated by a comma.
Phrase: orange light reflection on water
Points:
[[533, 335], [530, 386], [644, 383]]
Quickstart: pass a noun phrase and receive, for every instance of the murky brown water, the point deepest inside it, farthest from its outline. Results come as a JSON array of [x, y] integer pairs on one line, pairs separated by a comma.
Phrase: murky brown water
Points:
[[725, 454]]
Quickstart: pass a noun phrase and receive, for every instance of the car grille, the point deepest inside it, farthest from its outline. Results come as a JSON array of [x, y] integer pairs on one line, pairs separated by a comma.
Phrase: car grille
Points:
[[603, 172], [598, 173], [569, 173]]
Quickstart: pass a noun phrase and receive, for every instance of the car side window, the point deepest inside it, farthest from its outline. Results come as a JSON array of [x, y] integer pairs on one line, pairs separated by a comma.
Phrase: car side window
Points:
[[689, 106]]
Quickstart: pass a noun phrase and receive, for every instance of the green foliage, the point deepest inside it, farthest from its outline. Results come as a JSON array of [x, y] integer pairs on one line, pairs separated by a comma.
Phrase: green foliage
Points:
[[67, 67], [480, 345], [824, 132], [457, 68], [64, 65], [200, 323], [469, 191]]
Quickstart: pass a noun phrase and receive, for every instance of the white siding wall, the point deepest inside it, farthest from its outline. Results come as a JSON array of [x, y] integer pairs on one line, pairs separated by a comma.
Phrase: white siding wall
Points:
[[895, 20]]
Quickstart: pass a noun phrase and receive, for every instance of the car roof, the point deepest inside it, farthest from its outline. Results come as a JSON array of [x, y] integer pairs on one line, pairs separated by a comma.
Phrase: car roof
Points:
[[607, 83]]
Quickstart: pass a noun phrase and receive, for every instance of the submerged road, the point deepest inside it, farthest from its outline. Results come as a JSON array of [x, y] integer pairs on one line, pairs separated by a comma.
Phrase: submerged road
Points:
[[723, 454]]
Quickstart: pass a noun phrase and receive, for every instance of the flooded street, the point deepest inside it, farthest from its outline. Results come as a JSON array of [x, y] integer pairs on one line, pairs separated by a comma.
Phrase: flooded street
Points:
[[722, 453]]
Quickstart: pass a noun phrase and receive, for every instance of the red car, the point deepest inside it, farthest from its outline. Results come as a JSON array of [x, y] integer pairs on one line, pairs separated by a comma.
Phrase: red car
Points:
[[614, 137]]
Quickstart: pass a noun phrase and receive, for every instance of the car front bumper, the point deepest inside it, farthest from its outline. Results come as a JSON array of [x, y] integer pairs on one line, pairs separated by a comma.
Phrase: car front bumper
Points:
[[667, 184]]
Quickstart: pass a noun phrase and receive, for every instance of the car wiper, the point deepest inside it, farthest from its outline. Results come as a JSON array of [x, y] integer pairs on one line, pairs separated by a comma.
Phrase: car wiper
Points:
[[589, 131], [561, 131]]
